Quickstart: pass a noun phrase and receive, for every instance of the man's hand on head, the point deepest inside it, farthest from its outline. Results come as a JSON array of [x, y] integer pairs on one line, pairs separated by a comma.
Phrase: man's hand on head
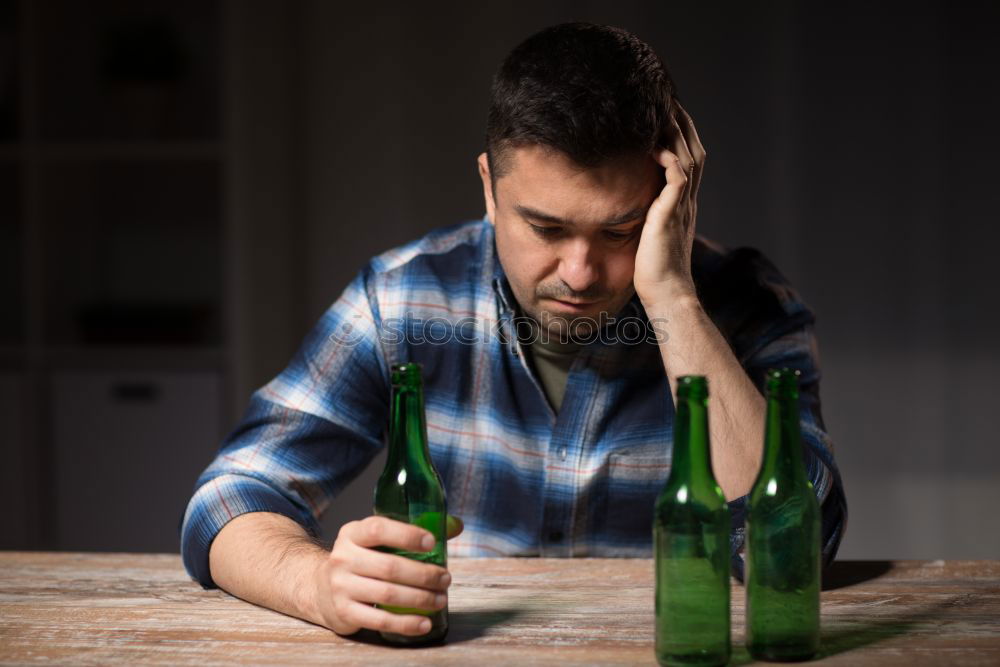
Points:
[[663, 259]]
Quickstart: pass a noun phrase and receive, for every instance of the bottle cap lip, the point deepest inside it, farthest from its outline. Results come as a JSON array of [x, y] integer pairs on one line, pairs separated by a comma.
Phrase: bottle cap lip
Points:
[[692, 386], [407, 373], [783, 381]]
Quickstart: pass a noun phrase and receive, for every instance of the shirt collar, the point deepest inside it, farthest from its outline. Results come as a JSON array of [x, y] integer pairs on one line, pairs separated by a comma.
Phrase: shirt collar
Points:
[[497, 277]]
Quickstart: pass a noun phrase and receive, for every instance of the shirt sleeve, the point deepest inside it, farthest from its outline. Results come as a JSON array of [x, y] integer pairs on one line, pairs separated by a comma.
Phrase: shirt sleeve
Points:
[[305, 435], [796, 349], [768, 326]]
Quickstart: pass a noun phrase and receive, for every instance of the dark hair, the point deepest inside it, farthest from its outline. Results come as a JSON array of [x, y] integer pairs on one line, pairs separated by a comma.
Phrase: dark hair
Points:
[[592, 92]]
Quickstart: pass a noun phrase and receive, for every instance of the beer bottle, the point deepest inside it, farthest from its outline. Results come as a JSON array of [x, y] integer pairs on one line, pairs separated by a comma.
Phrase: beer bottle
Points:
[[410, 489], [782, 537], [691, 533]]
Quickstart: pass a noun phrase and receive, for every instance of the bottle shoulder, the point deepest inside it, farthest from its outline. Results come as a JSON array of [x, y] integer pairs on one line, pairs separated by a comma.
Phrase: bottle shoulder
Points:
[[686, 505], [773, 495], [409, 484]]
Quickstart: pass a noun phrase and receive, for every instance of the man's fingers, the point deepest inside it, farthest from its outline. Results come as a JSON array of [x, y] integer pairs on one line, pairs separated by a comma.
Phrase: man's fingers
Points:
[[380, 531], [361, 574], [366, 589], [400, 570], [676, 177], [681, 147], [688, 163], [686, 126], [455, 526], [365, 616], [665, 204]]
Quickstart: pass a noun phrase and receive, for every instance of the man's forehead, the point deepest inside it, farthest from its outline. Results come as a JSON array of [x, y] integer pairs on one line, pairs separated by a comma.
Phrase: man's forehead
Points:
[[532, 213], [540, 156], [546, 185]]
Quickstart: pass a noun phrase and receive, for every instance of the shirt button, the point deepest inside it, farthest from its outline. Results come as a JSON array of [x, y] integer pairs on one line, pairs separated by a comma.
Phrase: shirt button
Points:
[[562, 453], [555, 536]]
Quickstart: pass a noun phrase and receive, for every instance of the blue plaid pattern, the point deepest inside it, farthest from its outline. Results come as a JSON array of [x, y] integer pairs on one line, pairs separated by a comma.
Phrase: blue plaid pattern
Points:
[[526, 481]]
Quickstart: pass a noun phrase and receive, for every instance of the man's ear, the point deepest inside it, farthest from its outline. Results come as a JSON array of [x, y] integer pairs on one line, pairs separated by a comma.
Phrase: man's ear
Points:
[[484, 175]]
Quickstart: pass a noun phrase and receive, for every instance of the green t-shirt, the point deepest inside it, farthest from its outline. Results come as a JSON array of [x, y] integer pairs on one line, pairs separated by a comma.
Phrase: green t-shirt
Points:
[[551, 361]]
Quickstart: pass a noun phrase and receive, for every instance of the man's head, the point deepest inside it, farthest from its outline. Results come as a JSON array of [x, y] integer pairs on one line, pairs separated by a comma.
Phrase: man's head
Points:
[[575, 114]]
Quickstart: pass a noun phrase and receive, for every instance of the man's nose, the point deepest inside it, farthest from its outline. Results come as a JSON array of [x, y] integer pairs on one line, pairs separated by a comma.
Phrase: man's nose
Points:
[[578, 266]]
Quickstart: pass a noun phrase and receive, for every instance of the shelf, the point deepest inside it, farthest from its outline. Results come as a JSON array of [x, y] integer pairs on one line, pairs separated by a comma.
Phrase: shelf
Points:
[[18, 358], [11, 258], [113, 249], [114, 358], [142, 151], [137, 151], [119, 70], [13, 357], [133, 252], [10, 65]]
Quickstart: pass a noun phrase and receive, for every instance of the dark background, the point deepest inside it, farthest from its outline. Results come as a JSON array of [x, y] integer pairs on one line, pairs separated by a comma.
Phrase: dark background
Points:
[[185, 186]]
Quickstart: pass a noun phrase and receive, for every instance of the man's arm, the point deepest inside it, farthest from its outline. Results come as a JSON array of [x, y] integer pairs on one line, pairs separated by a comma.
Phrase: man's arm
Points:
[[270, 560], [306, 435], [693, 344], [263, 542], [778, 337]]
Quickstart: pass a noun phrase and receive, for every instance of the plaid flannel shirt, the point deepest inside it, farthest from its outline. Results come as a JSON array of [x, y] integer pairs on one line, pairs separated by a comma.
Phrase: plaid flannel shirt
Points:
[[527, 481]]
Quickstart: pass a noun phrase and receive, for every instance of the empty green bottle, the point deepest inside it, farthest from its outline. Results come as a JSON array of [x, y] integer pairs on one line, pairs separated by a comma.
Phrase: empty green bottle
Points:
[[410, 489], [691, 532], [782, 537]]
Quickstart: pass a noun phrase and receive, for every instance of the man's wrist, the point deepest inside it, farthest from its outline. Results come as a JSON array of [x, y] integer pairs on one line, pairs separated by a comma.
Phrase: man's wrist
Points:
[[306, 584], [269, 559], [671, 304]]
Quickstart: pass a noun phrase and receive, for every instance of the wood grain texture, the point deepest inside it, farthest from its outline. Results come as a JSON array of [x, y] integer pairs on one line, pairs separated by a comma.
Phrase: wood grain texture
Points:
[[127, 608]]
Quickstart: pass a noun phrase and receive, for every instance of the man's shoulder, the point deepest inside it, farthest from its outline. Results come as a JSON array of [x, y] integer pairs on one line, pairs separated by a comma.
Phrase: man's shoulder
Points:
[[743, 290], [445, 273], [447, 247]]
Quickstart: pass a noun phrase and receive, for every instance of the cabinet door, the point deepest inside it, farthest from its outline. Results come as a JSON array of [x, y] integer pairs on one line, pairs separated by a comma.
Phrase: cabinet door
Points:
[[128, 448], [14, 529]]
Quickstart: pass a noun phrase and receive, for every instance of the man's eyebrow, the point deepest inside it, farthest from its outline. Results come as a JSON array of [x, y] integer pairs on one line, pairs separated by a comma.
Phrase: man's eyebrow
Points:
[[534, 214]]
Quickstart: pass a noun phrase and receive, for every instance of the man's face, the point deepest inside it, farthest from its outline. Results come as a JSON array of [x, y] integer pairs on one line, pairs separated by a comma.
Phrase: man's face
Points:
[[567, 236]]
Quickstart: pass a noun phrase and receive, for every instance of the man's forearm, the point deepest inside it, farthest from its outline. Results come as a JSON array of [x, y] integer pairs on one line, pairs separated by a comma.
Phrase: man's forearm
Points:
[[694, 346], [268, 559]]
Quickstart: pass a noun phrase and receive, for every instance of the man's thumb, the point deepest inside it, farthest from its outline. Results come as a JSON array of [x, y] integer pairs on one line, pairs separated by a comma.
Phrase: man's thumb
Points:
[[455, 526]]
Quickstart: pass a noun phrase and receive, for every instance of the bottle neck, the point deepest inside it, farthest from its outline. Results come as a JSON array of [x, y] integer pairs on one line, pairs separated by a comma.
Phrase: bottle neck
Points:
[[691, 459], [407, 430], [783, 438]]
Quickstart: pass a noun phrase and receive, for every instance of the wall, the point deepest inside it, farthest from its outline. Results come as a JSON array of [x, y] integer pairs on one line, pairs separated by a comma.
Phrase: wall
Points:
[[853, 145]]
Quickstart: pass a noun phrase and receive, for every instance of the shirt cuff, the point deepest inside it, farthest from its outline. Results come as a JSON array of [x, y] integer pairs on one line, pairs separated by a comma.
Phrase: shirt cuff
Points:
[[833, 510], [219, 501]]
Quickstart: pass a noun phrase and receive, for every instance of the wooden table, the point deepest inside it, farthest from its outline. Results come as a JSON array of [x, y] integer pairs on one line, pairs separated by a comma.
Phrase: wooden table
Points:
[[128, 608]]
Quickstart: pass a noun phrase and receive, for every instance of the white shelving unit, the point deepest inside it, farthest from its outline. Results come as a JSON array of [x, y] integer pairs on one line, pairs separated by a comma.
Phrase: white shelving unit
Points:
[[115, 347], [148, 264]]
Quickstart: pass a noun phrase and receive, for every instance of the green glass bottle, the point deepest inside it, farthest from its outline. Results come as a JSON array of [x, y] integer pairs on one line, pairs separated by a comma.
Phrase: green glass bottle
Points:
[[410, 489], [782, 537], [691, 533]]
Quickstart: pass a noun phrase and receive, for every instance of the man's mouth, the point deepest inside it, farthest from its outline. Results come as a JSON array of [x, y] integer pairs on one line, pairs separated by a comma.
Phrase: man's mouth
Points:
[[575, 305]]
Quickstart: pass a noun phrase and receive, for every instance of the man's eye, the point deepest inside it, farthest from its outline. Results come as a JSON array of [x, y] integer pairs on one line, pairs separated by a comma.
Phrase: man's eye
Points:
[[545, 232], [619, 236]]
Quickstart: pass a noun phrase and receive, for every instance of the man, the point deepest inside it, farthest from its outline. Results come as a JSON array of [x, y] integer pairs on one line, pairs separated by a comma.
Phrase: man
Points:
[[552, 439]]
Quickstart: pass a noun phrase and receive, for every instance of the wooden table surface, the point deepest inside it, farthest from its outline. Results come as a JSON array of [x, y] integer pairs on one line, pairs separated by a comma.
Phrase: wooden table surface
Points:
[[130, 608]]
